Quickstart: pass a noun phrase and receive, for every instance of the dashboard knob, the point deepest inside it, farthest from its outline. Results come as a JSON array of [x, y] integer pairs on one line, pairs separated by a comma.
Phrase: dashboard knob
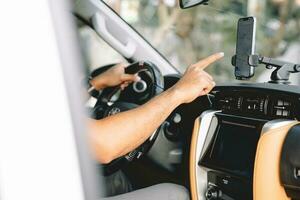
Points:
[[176, 118], [212, 193]]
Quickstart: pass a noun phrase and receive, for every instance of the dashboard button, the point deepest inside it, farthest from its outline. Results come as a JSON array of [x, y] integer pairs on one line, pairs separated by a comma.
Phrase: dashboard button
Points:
[[285, 113], [279, 112], [280, 103]]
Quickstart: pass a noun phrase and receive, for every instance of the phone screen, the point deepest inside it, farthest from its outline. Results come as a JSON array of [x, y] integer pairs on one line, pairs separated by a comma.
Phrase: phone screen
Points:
[[245, 46]]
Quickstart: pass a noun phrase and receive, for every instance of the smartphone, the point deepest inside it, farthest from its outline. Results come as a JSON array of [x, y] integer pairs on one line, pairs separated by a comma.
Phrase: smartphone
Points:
[[245, 46]]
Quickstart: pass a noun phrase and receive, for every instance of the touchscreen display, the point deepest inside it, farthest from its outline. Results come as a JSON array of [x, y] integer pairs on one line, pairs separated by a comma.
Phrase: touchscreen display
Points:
[[233, 149]]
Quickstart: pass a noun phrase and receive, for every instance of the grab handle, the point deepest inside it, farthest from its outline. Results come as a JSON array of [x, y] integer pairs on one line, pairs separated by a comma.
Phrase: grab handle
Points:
[[99, 24]]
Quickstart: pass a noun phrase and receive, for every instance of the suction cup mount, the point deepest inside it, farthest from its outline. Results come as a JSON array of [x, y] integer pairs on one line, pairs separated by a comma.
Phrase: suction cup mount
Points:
[[282, 71]]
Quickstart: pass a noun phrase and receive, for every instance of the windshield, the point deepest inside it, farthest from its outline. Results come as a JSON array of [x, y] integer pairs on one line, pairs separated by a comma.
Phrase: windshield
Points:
[[185, 36]]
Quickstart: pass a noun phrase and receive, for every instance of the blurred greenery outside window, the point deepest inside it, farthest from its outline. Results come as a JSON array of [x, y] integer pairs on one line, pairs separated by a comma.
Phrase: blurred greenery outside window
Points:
[[185, 36]]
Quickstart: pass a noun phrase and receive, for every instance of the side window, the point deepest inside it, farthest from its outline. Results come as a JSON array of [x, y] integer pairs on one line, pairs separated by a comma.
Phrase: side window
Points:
[[96, 51]]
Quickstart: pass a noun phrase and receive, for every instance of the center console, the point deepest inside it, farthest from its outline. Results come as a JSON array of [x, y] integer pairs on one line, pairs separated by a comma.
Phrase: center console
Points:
[[226, 151], [230, 157]]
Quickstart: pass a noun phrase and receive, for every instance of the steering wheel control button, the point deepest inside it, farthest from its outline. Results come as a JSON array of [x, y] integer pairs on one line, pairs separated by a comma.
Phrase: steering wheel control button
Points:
[[130, 156], [139, 155], [140, 86], [114, 111]]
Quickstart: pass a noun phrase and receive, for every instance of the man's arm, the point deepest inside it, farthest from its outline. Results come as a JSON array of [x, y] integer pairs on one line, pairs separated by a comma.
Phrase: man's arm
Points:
[[117, 135]]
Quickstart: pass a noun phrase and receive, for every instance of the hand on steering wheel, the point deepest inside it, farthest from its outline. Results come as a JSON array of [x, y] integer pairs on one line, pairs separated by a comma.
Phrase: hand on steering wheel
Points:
[[114, 76]]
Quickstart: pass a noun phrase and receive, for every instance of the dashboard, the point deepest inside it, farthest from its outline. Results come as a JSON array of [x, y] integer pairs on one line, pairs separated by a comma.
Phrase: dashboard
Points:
[[265, 101], [227, 155], [227, 143]]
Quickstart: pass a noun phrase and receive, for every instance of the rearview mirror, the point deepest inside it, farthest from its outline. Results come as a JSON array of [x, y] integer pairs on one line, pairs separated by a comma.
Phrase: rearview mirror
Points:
[[190, 3]]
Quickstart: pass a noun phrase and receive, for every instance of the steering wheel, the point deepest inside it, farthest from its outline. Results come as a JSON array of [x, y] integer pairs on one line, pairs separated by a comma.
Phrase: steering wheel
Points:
[[106, 107]]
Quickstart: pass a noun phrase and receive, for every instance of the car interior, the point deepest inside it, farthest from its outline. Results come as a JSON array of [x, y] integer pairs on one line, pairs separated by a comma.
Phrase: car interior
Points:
[[239, 142]]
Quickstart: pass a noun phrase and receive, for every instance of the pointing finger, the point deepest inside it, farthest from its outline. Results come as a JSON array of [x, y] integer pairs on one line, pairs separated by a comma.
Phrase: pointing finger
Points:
[[202, 64]]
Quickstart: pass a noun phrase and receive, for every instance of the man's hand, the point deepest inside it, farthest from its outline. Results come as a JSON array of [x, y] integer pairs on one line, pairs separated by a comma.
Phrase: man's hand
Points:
[[195, 81], [113, 77]]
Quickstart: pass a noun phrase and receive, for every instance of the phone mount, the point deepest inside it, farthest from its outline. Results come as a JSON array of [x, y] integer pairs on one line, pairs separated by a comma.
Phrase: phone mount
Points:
[[282, 72]]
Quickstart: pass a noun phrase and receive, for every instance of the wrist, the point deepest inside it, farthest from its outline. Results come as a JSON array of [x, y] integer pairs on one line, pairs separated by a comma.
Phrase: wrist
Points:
[[98, 83], [176, 95]]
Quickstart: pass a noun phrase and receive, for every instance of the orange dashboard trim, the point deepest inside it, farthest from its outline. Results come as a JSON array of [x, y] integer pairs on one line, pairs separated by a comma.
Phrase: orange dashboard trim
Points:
[[193, 164], [266, 180]]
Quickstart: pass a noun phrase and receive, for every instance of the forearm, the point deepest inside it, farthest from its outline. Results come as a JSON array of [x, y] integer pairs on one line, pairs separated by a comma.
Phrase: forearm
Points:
[[116, 135]]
